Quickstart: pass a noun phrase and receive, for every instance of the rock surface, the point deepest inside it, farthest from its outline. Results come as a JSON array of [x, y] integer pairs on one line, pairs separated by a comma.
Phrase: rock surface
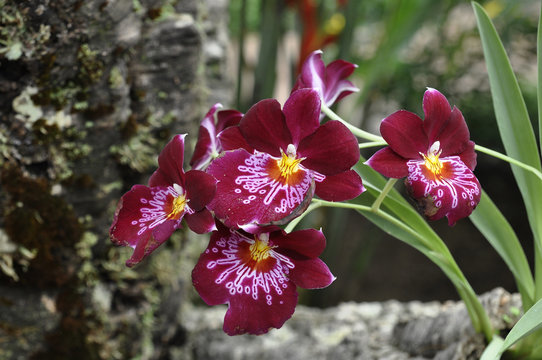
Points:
[[363, 331]]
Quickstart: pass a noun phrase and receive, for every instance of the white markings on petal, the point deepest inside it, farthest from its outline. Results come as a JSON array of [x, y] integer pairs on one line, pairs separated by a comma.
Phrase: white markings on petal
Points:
[[462, 182], [258, 183], [240, 278], [156, 214]]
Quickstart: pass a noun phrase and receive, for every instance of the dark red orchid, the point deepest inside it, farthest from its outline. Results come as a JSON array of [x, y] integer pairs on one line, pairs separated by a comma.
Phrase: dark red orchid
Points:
[[435, 154], [329, 81], [282, 157], [146, 216], [208, 146], [257, 275]]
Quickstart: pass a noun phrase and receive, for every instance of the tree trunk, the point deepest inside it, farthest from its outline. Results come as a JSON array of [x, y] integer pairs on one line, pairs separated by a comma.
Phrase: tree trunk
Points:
[[90, 91]]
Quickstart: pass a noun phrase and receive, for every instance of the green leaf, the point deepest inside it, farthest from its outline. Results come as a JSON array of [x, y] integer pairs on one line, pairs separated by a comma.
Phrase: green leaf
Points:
[[492, 351], [529, 322], [496, 229], [539, 88], [512, 119]]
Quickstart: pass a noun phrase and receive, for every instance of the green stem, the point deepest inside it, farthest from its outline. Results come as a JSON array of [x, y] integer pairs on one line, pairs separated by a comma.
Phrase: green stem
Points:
[[372, 144], [292, 224], [506, 158], [355, 130], [386, 216], [389, 185]]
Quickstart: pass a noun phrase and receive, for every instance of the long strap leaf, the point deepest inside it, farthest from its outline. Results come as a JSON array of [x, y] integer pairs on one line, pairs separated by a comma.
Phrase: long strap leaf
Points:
[[539, 61], [529, 322], [515, 129], [498, 232]]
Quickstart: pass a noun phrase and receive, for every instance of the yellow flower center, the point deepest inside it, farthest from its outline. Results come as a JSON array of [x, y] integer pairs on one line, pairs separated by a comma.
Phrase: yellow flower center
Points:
[[432, 161], [179, 203], [288, 164], [260, 249]]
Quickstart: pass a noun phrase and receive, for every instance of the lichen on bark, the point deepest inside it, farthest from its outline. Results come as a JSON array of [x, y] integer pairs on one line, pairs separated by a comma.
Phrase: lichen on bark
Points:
[[89, 94]]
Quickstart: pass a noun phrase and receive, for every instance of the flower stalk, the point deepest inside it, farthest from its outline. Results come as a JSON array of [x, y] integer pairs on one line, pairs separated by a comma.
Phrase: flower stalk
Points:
[[508, 159], [371, 144], [389, 185], [355, 130]]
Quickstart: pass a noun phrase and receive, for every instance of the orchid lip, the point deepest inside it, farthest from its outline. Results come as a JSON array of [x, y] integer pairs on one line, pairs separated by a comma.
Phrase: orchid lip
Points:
[[452, 189]]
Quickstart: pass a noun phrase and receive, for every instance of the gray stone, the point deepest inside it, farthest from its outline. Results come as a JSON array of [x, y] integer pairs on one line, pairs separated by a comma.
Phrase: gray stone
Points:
[[367, 331]]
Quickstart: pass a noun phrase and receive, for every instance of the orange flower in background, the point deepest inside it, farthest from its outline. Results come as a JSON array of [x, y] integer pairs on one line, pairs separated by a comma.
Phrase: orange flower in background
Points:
[[316, 35]]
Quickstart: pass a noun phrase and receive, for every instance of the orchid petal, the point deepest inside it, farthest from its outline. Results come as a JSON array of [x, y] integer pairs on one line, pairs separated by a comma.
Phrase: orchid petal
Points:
[[206, 272], [330, 82], [468, 156], [232, 139], [404, 133], [388, 163], [259, 294], [331, 149], [437, 112], [302, 113], [159, 178], [337, 87], [208, 146], [264, 127], [311, 274], [203, 151], [206, 143], [200, 222], [200, 189], [312, 73], [170, 164], [454, 135], [340, 187], [227, 118], [309, 243], [258, 317]]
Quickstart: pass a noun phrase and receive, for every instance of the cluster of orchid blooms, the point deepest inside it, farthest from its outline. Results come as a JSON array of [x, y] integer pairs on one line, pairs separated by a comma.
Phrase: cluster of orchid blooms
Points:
[[253, 172]]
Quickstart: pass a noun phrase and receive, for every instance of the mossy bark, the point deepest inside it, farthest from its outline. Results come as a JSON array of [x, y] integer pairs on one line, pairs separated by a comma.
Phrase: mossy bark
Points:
[[90, 91]]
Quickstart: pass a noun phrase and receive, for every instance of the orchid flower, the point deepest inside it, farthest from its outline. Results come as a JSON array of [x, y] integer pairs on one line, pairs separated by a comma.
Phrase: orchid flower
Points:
[[208, 146], [329, 81], [257, 275], [146, 216], [282, 157], [435, 155]]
